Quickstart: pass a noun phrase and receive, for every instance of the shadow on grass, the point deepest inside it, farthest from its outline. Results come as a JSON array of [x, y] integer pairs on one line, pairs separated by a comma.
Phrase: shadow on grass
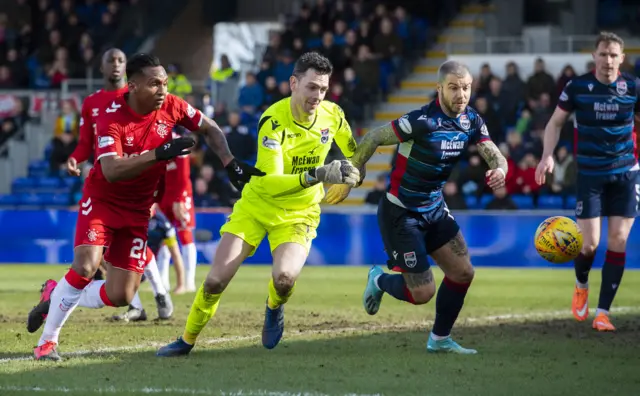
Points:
[[552, 357]]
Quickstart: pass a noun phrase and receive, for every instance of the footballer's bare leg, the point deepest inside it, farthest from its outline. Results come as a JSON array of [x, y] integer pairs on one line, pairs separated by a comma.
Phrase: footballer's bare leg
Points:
[[288, 260], [63, 299], [231, 252], [613, 269], [453, 258], [582, 264]]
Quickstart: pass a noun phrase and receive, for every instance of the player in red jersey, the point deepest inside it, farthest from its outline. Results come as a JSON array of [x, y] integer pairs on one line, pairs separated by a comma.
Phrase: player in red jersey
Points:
[[134, 142], [177, 204], [113, 72]]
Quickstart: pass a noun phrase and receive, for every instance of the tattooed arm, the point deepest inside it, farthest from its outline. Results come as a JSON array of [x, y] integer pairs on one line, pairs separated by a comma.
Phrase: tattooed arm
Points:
[[382, 136], [496, 161]]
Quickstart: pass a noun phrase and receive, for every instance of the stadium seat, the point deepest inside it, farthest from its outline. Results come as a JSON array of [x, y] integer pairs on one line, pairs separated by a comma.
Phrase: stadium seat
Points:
[[23, 184], [484, 201], [8, 200], [523, 201], [570, 202], [49, 183], [38, 168], [550, 202], [472, 202]]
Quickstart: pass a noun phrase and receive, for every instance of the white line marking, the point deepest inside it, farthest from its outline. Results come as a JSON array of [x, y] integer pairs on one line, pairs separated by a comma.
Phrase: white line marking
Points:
[[147, 390], [363, 329]]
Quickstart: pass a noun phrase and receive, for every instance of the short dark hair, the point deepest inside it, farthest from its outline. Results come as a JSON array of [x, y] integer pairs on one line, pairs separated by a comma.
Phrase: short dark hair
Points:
[[452, 67], [312, 60], [138, 62], [609, 37]]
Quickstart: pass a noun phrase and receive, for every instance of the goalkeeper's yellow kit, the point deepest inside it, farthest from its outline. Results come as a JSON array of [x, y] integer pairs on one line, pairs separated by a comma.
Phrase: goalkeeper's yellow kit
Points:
[[278, 204]]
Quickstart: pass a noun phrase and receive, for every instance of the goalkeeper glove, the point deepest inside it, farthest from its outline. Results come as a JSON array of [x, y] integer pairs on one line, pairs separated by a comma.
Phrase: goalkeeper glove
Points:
[[240, 173], [174, 148], [336, 172]]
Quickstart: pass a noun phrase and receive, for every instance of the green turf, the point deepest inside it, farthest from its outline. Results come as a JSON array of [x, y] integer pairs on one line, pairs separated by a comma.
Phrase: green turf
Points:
[[331, 346]]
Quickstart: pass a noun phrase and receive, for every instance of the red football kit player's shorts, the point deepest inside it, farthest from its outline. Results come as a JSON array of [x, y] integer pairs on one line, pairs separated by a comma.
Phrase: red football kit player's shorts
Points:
[[123, 232], [185, 227]]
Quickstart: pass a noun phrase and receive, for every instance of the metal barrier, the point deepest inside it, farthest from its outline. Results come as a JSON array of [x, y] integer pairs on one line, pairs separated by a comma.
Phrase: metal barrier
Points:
[[518, 44]]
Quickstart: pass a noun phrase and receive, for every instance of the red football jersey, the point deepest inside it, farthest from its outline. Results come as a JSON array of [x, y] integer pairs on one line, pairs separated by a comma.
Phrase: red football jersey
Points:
[[93, 106], [124, 133], [178, 179]]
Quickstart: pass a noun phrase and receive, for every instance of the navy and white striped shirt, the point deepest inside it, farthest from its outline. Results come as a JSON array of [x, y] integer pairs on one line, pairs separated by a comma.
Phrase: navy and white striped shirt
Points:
[[604, 120]]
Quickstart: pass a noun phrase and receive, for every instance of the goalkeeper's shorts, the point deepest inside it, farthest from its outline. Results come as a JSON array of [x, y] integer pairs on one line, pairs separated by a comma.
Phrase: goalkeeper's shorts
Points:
[[252, 219]]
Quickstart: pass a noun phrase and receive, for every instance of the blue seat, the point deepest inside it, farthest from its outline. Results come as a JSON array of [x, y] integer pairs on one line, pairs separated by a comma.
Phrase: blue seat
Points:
[[570, 202], [550, 202], [8, 200], [23, 184], [523, 201], [49, 183], [485, 200], [38, 168], [30, 199], [61, 199], [472, 202]]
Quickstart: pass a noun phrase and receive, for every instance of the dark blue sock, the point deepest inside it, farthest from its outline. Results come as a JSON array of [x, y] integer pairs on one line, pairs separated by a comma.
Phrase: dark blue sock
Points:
[[395, 286], [582, 265], [449, 302], [612, 271]]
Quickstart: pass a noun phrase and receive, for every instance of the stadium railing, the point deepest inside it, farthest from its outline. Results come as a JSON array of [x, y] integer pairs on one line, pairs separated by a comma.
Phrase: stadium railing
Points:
[[515, 44]]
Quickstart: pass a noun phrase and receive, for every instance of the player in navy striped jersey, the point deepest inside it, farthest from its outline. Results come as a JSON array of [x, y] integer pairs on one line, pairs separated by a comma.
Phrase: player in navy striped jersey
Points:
[[605, 103], [413, 218]]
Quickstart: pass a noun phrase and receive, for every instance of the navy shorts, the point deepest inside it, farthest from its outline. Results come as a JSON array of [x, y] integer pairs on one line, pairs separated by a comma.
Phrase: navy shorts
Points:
[[610, 195], [409, 237]]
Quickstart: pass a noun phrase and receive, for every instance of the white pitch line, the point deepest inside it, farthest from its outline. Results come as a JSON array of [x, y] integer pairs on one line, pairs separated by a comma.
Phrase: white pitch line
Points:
[[364, 328], [148, 390]]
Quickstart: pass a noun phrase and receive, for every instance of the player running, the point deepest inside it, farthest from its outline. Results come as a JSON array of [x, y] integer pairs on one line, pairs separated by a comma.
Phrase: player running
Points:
[[413, 218], [134, 142], [161, 231], [604, 103], [295, 135], [177, 204]]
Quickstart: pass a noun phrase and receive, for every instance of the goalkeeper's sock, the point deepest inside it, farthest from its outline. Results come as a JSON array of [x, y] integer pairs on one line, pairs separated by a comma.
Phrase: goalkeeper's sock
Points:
[[275, 300], [395, 286], [203, 308]]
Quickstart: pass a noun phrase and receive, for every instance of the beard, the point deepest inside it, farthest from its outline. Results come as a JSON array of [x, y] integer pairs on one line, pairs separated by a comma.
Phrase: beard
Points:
[[449, 106]]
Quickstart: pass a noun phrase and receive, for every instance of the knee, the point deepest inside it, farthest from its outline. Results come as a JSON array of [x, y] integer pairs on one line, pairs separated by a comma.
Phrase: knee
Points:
[[589, 249], [617, 241], [85, 264], [283, 282], [423, 294], [464, 274], [121, 298], [214, 284]]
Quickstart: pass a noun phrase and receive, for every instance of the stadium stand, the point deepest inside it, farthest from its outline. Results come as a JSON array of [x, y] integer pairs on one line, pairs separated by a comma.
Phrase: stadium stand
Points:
[[386, 61]]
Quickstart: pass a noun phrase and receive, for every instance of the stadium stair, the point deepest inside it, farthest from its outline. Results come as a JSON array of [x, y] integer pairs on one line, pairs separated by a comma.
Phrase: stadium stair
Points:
[[417, 88]]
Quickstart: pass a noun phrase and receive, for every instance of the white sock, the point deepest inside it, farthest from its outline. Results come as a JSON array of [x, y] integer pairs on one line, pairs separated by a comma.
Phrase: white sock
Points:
[[437, 337], [604, 311], [64, 300], [582, 285], [190, 259], [163, 259], [153, 276], [90, 297], [136, 302]]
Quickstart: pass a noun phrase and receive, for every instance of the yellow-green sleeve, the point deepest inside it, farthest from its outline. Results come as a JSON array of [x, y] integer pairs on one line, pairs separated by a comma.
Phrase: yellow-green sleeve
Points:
[[344, 137], [270, 161]]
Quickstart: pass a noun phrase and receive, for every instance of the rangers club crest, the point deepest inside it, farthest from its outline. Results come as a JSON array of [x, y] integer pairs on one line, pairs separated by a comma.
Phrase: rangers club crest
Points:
[[464, 122], [129, 141], [162, 129], [621, 87], [324, 136], [92, 235]]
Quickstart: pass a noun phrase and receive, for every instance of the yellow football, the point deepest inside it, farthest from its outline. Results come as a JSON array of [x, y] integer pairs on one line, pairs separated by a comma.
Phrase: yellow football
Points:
[[558, 239]]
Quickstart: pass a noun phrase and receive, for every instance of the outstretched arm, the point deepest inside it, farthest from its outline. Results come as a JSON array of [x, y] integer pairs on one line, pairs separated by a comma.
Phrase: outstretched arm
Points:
[[216, 139], [382, 136]]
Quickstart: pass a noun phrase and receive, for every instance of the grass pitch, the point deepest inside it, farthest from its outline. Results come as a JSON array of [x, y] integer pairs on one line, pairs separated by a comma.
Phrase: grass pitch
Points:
[[518, 319]]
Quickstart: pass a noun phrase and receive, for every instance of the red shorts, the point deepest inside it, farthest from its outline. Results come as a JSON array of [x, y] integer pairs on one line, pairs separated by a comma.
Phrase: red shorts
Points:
[[189, 223], [122, 232]]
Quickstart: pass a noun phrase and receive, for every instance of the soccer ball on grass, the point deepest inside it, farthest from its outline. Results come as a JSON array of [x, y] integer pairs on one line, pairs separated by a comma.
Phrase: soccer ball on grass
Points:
[[558, 239]]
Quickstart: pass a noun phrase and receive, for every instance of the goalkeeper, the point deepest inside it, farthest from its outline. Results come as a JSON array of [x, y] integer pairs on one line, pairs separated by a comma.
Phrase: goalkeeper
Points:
[[294, 138]]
